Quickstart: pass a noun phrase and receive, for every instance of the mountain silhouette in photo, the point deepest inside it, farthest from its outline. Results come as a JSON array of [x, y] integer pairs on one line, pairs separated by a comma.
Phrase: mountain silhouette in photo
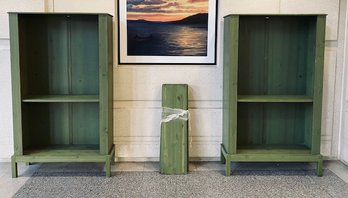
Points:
[[200, 18]]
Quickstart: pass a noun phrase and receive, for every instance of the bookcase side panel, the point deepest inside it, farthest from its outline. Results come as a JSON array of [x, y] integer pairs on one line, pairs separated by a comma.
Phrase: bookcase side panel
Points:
[[105, 83], [230, 64], [16, 85], [318, 83]]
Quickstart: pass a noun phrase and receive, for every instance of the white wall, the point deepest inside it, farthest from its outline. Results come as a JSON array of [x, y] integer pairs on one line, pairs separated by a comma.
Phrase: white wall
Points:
[[137, 98], [343, 152]]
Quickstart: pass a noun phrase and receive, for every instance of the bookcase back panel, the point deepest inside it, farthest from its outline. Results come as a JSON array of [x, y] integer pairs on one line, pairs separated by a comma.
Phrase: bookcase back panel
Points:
[[61, 56], [251, 55], [85, 125], [84, 55], [33, 54], [49, 124], [273, 124], [275, 55]]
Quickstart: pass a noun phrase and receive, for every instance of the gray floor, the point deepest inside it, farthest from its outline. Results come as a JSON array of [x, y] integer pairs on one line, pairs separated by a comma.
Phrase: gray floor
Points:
[[9, 186]]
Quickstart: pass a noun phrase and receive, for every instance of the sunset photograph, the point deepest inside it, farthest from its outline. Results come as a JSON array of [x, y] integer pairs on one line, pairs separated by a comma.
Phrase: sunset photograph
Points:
[[167, 27], [164, 10]]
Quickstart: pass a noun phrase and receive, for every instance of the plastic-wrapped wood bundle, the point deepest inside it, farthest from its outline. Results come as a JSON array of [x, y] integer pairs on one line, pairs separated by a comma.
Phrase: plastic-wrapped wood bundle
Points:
[[174, 129]]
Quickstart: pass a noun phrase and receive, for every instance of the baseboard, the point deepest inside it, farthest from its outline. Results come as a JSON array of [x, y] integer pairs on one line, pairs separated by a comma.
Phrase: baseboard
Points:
[[156, 159]]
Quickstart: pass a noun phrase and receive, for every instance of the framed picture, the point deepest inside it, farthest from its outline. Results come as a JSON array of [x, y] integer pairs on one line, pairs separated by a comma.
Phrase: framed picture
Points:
[[167, 31]]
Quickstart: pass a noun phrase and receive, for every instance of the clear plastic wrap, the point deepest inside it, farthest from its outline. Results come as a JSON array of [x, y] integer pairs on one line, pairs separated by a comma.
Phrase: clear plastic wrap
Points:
[[169, 114]]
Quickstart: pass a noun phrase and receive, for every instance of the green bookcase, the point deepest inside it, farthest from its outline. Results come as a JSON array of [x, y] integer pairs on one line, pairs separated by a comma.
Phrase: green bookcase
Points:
[[62, 88], [272, 85]]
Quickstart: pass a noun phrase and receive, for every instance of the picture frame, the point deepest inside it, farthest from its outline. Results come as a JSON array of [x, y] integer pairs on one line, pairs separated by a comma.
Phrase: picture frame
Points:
[[167, 32]]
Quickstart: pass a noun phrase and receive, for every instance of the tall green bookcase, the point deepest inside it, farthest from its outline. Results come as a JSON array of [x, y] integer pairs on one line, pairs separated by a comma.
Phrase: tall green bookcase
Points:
[[272, 88], [62, 88]]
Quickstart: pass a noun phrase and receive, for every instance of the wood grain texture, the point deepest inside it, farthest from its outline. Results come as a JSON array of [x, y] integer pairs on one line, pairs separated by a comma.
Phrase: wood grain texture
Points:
[[16, 86], [230, 65], [174, 134], [318, 83]]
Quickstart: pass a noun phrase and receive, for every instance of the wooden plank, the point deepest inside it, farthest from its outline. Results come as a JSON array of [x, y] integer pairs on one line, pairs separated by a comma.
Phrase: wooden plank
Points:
[[250, 124], [285, 151], [34, 55], [263, 147], [174, 134], [105, 84], [110, 121], [318, 83], [252, 48], [64, 150], [16, 85], [230, 67], [267, 157], [275, 98], [61, 98], [58, 117], [85, 120], [287, 54], [84, 49], [283, 123], [58, 54], [50, 158]]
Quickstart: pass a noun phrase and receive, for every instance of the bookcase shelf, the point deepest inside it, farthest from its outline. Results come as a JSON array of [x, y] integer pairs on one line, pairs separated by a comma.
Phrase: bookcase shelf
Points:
[[62, 88], [272, 88], [274, 98], [61, 98]]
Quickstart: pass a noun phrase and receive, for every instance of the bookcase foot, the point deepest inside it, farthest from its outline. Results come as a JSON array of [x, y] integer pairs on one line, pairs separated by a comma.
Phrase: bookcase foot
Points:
[[222, 158], [14, 167], [225, 159], [228, 168], [108, 167], [110, 160], [319, 170]]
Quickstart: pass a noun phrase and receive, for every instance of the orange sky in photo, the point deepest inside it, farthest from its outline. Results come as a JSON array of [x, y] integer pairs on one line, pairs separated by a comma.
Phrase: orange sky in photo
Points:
[[164, 10]]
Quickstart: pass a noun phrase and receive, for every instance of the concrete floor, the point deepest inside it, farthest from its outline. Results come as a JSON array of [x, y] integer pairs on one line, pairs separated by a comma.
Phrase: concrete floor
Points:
[[9, 186]]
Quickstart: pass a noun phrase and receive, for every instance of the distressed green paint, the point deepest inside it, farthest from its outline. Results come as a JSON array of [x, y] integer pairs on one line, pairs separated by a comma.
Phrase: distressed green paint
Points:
[[16, 87], [174, 134], [61, 86], [318, 83], [105, 83], [274, 98], [84, 55], [61, 98], [230, 65], [85, 123], [278, 74]]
